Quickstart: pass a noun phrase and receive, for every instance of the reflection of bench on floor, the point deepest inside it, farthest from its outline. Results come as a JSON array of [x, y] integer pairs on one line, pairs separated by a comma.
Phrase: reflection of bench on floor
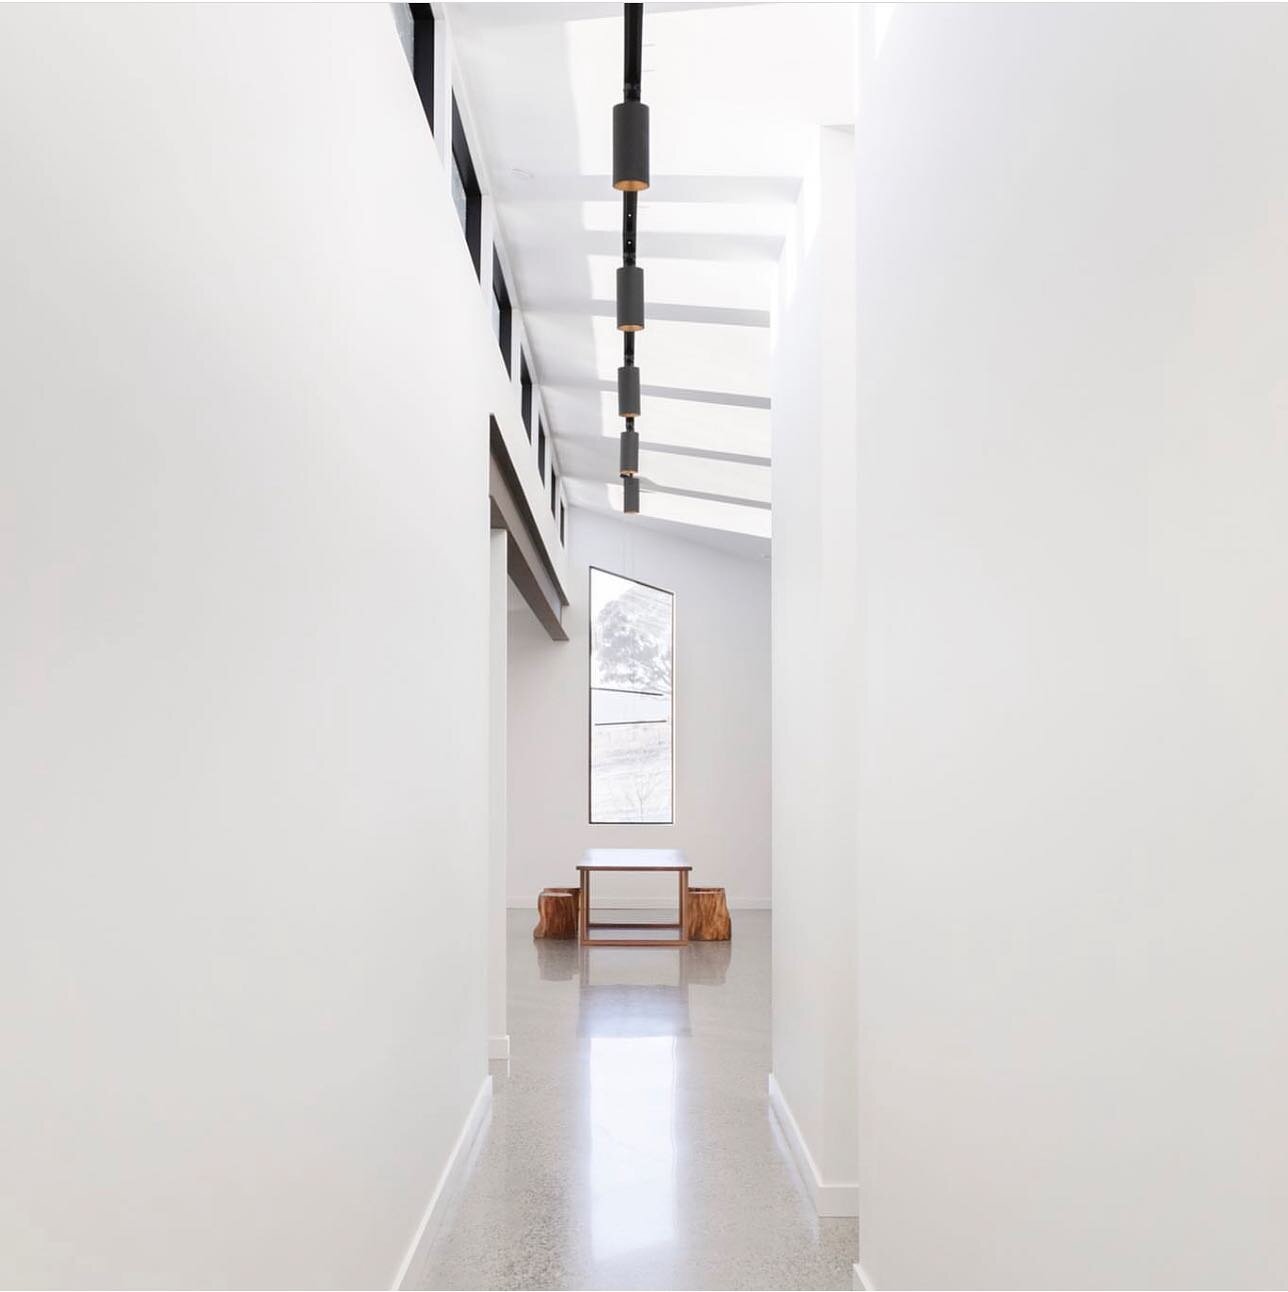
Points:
[[557, 913], [708, 916]]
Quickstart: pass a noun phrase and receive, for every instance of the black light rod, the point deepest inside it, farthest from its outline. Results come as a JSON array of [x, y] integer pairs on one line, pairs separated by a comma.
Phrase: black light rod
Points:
[[630, 203], [634, 54], [630, 174]]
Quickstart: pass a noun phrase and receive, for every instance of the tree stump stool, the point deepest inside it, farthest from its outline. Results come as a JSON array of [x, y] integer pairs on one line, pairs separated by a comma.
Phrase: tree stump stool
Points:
[[557, 913], [707, 917]]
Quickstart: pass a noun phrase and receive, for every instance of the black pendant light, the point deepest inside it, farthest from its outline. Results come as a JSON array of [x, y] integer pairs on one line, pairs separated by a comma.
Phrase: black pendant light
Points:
[[630, 299], [628, 391], [629, 458], [630, 176], [630, 118], [630, 144]]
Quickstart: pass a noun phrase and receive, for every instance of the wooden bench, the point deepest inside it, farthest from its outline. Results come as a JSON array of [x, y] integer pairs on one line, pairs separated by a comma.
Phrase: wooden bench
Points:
[[557, 910], [706, 915], [707, 918]]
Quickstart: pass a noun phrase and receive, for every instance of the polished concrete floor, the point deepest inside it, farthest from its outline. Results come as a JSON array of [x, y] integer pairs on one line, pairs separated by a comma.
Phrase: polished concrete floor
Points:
[[631, 1144]]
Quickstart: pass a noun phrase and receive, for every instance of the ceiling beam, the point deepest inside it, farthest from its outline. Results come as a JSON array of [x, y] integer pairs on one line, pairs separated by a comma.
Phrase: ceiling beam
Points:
[[661, 312], [576, 186], [713, 455], [706, 497], [754, 247], [730, 397]]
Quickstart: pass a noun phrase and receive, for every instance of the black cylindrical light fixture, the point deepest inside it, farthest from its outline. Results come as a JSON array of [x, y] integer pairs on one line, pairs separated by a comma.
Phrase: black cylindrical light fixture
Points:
[[629, 459], [630, 175], [630, 146], [628, 391], [630, 298]]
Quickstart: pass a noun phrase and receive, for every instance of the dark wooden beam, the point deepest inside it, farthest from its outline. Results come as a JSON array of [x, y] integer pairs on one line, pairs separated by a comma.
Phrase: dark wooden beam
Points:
[[527, 561]]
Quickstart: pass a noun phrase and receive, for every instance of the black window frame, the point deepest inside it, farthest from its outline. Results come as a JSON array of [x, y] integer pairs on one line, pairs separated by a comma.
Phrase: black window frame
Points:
[[422, 57], [590, 691], [505, 328], [525, 394], [473, 194]]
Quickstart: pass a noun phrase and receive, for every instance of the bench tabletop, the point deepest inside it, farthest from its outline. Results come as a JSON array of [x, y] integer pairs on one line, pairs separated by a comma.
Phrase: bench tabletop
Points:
[[633, 859]]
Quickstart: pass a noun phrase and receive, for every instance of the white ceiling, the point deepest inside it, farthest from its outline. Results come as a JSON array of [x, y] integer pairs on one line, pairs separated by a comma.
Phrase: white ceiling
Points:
[[735, 93]]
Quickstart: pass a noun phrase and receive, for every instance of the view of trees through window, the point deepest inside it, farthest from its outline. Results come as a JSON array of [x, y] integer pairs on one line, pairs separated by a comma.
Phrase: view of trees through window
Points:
[[630, 700]]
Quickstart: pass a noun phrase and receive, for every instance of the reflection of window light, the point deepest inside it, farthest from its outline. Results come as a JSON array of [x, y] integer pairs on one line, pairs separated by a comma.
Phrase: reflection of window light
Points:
[[632, 1144], [631, 710]]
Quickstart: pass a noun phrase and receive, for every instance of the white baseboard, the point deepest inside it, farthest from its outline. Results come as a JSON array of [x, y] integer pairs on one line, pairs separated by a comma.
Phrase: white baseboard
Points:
[[643, 903], [498, 1047], [449, 1181], [830, 1199], [861, 1281]]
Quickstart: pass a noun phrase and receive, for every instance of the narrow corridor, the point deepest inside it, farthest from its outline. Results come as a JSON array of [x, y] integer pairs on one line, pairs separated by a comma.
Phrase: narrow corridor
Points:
[[632, 1145]]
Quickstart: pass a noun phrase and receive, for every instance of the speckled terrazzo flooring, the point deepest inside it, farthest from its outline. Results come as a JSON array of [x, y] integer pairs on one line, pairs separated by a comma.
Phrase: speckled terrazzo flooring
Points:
[[631, 1144]]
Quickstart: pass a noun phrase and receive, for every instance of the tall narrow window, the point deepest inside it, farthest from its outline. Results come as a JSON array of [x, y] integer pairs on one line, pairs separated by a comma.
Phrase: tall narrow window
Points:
[[541, 449], [465, 189], [502, 314], [563, 517], [422, 57], [554, 489], [631, 711], [525, 394]]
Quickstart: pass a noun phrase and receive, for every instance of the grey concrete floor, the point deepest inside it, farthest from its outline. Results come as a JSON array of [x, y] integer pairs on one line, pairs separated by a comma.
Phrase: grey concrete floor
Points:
[[630, 1143]]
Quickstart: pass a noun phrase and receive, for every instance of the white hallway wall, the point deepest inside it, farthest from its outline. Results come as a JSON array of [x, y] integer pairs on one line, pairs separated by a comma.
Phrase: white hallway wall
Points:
[[722, 816], [245, 573], [1073, 967], [815, 705], [498, 833]]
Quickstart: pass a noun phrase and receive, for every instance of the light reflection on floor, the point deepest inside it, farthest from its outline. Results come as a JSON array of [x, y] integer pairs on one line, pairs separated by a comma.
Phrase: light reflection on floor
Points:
[[631, 1144]]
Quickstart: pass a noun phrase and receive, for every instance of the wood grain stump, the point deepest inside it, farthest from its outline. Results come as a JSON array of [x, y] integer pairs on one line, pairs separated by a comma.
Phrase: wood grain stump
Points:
[[557, 913], [707, 917]]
